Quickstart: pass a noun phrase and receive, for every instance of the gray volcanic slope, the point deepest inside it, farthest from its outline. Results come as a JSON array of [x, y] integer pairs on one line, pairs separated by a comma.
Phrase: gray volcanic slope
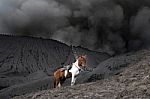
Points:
[[27, 64], [26, 55], [132, 83]]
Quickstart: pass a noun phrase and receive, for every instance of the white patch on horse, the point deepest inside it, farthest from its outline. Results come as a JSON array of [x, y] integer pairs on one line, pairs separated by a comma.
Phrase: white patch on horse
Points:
[[59, 85], [66, 72], [75, 68], [75, 71]]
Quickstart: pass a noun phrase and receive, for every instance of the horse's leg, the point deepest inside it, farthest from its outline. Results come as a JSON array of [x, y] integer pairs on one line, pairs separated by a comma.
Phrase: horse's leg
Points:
[[75, 79], [72, 80], [54, 83], [59, 85]]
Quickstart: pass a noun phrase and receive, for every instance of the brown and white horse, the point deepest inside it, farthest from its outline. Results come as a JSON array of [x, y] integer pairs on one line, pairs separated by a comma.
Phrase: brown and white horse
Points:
[[60, 75]]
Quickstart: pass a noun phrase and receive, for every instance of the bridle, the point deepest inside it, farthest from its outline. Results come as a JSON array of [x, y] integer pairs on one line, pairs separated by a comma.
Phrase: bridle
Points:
[[78, 67]]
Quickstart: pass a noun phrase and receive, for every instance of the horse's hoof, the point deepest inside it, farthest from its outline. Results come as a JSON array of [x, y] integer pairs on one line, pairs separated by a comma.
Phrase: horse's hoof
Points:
[[72, 84]]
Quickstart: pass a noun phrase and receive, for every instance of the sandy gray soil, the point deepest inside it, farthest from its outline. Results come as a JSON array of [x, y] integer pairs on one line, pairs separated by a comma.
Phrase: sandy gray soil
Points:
[[132, 83], [27, 64]]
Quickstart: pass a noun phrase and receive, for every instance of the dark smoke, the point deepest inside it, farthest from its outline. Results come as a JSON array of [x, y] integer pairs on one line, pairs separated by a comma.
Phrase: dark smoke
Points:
[[141, 26], [114, 26], [32, 17]]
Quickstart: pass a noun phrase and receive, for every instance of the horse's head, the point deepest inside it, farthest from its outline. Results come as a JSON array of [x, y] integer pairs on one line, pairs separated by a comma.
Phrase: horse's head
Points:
[[82, 61]]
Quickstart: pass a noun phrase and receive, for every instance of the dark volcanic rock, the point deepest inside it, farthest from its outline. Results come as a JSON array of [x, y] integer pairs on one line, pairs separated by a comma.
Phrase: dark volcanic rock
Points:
[[114, 65], [111, 66]]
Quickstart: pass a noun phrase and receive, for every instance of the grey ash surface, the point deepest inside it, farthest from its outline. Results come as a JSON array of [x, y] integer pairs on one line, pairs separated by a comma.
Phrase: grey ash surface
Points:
[[132, 83], [27, 64]]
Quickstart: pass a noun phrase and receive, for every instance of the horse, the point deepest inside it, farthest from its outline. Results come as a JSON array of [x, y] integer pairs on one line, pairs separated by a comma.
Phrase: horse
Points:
[[61, 74]]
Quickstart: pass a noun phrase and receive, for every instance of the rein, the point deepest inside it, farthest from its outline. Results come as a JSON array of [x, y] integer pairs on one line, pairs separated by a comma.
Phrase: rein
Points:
[[78, 67]]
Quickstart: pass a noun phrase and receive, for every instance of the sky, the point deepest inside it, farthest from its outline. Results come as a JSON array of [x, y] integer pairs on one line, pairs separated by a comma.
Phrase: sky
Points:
[[114, 26]]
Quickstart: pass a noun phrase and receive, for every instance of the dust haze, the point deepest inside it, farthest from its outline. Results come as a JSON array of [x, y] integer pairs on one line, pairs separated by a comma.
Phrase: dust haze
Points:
[[114, 26]]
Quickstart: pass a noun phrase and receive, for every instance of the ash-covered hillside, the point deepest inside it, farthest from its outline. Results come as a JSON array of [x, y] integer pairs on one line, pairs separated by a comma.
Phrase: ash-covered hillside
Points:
[[132, 83], [27, 64], [25, 55]]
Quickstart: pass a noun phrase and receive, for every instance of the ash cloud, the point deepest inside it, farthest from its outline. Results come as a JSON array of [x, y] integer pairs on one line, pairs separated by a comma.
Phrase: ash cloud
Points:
[[114, 26], [32, 17], [141, 26]]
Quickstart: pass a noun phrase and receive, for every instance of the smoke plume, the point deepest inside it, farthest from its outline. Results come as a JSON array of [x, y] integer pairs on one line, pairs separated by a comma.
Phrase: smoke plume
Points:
[[32, 17], [114, 26]]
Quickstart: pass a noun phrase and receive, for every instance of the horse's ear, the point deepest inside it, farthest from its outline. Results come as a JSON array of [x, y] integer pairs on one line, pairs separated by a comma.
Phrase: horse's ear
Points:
[[76, 57], [79, 56], [84, 56]]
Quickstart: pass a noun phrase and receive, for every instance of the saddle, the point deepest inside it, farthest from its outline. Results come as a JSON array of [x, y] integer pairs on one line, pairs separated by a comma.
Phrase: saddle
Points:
[[67, 67]]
